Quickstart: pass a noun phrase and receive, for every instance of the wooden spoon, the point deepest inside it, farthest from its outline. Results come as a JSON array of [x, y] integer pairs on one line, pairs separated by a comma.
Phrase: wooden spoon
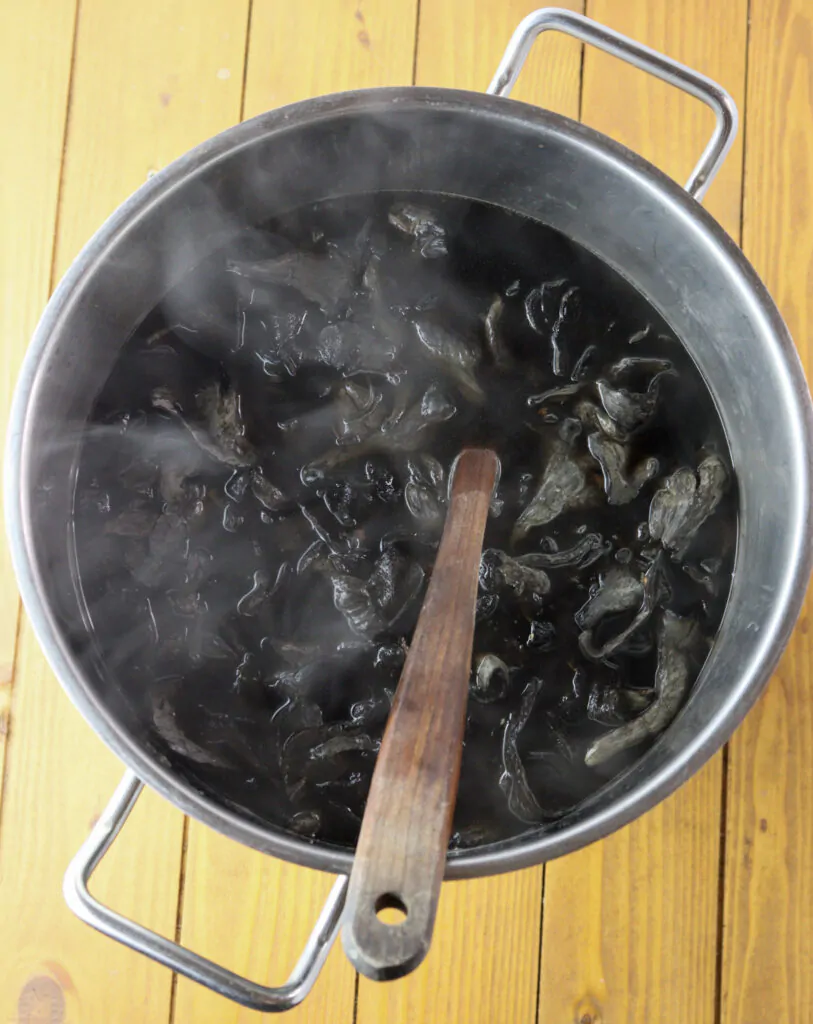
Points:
[[401, 853]]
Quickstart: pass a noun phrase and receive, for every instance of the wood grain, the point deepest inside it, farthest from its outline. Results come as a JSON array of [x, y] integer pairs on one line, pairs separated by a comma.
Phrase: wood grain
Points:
[[460, 45], [144, 89], [322, 46], [483, 964], [768, 914], [657, 120], [253, 914], [630, 928], [401, 851], [250, 911], [628, 921], [59, 779], [36, 42]]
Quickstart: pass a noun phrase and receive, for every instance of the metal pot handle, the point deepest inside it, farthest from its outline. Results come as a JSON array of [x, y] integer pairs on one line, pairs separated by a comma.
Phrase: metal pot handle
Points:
[[180, 959], [671, 71]]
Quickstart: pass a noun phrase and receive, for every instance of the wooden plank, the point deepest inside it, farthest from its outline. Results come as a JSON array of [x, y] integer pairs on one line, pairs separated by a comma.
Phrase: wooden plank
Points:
[[249, 911], [144, 89], [630, 929], [253, 914], [768, 913], [657, 120], [628, 921], [460, 46], [322, 46], [483, 964], [60, 777], [35, 62]]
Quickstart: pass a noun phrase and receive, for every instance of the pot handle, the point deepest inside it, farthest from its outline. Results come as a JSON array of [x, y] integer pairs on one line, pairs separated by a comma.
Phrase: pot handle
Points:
[[657, 64], [178, 958]]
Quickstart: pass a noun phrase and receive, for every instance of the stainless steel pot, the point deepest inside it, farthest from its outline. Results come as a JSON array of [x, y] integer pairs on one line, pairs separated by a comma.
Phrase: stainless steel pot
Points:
[[483, 147]]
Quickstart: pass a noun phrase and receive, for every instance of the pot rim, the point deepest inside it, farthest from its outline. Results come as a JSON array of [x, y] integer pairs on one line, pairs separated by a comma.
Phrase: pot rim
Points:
[[522, 851]]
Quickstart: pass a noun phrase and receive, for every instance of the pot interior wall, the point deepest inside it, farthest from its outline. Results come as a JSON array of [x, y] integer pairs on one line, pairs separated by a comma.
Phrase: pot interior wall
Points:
[[528, 161]]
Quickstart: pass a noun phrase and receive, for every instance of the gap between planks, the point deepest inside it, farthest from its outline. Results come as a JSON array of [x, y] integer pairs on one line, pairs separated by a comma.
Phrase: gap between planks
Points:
[[245, 909], [629, 919], [14, 351], [58, 772]]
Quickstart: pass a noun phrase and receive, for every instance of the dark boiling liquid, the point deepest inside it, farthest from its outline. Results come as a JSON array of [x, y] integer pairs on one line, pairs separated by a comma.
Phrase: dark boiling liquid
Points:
[[260, 638]]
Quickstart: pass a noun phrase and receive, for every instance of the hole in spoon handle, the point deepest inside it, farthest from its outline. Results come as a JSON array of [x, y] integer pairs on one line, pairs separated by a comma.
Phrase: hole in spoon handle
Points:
[[390, 908], [401, 852]]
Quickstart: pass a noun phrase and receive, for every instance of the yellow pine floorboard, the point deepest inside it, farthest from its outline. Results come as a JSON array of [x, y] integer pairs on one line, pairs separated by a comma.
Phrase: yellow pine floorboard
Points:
[[630, 930], [767, 975]]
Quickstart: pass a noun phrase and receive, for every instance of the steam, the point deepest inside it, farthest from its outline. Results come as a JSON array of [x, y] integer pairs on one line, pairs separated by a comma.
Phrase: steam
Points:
[[262, 488]]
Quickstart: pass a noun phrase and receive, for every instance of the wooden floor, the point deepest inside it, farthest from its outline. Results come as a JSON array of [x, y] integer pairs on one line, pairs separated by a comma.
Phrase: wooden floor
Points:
[[702, 911]]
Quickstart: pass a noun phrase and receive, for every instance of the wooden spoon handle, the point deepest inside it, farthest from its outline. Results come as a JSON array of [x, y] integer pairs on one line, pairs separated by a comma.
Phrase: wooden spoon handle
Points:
[[401, 852]]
